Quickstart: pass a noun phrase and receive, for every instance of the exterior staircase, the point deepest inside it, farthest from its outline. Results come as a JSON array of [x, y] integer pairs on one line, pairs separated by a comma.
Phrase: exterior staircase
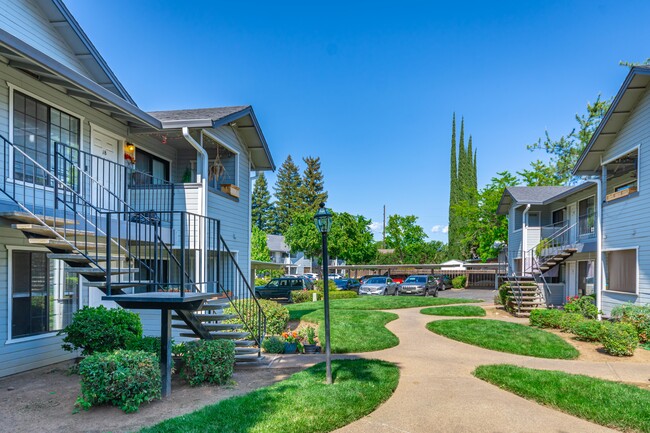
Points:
[[120, 251], [526, 295]]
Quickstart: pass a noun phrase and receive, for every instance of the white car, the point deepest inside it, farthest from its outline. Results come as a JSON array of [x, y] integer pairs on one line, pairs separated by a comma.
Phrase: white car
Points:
[[311, 275]]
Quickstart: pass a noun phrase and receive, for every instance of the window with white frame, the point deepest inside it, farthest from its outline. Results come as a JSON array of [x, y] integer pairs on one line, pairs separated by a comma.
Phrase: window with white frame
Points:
[[587, 216], [534, 219], [621, 270], [223, 168], [43, 295], [622, 176]]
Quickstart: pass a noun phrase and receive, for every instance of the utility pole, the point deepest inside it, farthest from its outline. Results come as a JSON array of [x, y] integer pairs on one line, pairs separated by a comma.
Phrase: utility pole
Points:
[[383, 236]]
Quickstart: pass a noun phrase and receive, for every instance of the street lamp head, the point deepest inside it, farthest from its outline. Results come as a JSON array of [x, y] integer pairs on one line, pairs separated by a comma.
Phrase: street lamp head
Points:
[[323, 219]]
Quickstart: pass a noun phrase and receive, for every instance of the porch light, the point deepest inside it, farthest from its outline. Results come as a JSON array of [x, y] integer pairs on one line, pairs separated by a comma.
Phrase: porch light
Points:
[[323, 219]]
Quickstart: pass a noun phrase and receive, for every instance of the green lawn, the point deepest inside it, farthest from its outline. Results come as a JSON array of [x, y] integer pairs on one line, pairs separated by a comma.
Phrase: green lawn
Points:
[[300, 404], [616, 405], [355, 331], [505, 337], [380, 303], [455, 310]]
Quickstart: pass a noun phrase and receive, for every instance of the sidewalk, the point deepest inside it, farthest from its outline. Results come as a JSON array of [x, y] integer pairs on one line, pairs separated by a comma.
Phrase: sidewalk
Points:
[[437, 392]]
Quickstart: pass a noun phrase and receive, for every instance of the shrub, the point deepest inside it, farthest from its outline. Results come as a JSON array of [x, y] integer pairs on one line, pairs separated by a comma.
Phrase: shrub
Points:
[[319, 284], [584, 305], [147, 344], [210, 361], [273, 344], [277, 316], [300, 296], [459, 282], [98, 329], [636, 315], [124, 378], [620, 339], [262, 281], [343, 294], [546, 318], [588, 330], [568, 321]]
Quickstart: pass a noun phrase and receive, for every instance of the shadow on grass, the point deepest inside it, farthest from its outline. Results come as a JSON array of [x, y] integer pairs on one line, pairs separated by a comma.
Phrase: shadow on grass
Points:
[[301, 404]]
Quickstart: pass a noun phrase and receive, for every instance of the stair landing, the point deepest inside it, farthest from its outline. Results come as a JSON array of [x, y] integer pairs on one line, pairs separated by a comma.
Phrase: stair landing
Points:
[[160, 300]]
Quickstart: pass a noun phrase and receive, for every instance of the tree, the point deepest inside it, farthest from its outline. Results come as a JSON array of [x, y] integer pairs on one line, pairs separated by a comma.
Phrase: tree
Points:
[[566, 150], [404, 235], [259, 247], [453, 185], [303, 235], [540, 174], [312, 189], [261, 207], [287, 196]]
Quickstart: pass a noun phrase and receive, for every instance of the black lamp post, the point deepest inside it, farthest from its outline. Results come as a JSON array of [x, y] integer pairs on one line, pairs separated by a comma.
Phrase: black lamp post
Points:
[[323, 221]]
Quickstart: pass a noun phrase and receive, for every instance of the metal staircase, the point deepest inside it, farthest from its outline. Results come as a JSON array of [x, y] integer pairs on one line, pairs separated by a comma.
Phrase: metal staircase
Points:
[[144, 258]]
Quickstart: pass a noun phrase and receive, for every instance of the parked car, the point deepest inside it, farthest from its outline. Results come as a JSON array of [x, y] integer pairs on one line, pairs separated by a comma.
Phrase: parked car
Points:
[[444, 282], [311, 275], [365, 278], [348, 284], [334, 276], [425, 285], [282, 287], [378, 286]]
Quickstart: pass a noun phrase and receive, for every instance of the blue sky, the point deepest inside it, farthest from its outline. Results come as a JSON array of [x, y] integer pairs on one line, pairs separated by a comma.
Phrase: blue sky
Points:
[[370, 87]]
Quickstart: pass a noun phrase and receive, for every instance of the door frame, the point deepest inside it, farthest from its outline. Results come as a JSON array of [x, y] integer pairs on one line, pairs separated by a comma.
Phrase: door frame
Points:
[[572, 217], [571, 279]]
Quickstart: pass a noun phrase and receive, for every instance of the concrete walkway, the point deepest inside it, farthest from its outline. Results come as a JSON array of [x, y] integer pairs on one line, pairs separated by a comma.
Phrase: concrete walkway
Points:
[[437, 392]]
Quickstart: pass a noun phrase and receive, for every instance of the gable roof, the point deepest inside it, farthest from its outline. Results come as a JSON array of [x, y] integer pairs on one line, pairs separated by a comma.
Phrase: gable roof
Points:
[[536, 195], [241, 118], [628, 96]]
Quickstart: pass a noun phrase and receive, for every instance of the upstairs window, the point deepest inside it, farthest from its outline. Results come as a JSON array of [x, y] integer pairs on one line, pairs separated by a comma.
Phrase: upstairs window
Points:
[[519, 218], [587, 216], [622, 176], [223, 167]]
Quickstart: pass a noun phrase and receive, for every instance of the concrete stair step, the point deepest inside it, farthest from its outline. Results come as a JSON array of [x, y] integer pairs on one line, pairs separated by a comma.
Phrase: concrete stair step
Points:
[[221, 335], [74, 257], [215, 304], [213, 326], [67, 246], [210, 317], [99, 271], [25, 217], [118, 285]]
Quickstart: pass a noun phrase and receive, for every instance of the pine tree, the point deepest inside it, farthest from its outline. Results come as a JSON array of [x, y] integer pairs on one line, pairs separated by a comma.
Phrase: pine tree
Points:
[[261, 207], [287, 195], [462, 164], [312, 189]]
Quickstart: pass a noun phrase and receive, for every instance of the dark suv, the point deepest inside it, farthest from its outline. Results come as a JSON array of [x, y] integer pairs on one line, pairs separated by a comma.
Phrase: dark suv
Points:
[[425, 285], [444, 282], [282, 287]]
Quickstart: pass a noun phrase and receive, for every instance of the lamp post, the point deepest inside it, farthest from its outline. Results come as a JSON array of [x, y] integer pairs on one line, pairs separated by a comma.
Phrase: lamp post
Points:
[[323, 221]]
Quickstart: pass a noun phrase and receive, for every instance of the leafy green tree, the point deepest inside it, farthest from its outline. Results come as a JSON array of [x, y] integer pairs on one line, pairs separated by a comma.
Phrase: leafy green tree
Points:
[[259, 247], [453, 185], [540, 174], [565, 151], [404, 235], [303, 236], [261, 207], [287, 196], [312, 188]]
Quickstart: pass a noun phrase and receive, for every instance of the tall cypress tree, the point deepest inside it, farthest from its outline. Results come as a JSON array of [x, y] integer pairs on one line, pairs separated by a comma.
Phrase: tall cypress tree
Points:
[[453, 190], [312, 188], [462, 164], [261, 207], [287, 195]]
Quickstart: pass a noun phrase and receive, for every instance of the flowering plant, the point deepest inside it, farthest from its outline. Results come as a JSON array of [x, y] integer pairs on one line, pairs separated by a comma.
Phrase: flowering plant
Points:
[[584, 305], [291, 337]]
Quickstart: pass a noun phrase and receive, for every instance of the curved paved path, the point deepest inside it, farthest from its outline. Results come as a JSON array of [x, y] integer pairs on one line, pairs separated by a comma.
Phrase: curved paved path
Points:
[[437, 392]]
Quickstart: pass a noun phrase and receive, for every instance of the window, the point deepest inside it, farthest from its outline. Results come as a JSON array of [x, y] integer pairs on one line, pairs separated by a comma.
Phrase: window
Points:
[[223, 167], [44, 296], [534, 219], [156, 168], [620, 271], [586, 277], [519, 218], [587, 216], [37, 126], [622, 176], [558, 217]]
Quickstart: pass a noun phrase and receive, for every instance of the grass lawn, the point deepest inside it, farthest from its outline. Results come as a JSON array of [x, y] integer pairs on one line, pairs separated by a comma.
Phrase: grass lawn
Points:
[[355, 331], [300, 404], [455, 310], [505, 337], [611, 404]]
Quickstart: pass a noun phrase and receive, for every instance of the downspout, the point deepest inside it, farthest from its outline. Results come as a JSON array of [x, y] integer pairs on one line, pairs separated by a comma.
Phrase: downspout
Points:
[[524, 237], [202, 176], [599, 246]]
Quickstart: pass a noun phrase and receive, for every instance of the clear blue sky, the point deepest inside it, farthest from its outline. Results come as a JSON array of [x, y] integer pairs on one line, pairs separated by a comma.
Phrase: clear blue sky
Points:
[[370, 87]]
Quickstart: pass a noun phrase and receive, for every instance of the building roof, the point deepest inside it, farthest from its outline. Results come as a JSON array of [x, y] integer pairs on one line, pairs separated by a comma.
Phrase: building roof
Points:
[[277, 243], [241, 118], [536, 195], [627, 98]]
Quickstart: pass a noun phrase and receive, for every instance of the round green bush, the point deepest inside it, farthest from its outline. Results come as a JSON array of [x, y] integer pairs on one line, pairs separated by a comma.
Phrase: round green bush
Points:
[[98, 329], [277, 316], [147, 344], [210, 361], [620, 339], [546, 318], [568, 321], [584, 305], [123, 378], [636, 315], [588, 330], [459, 282], [273, 344]]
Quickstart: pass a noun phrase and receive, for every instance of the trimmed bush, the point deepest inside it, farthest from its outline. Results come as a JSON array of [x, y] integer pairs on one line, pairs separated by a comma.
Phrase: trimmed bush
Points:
[[620, 339], [273, 344], [124, 378], [277, 316], [210, 361], [343, 294], [546, 318], [147, 344], [459, 282], [636, 315], [319, 285], [300, 296], [98, 329], [588, 330], [569, 321], [584, 305]]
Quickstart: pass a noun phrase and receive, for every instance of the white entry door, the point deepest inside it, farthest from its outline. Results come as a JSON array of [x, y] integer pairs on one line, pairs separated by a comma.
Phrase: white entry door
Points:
[[107, 183], [571, 283], [572, 212]]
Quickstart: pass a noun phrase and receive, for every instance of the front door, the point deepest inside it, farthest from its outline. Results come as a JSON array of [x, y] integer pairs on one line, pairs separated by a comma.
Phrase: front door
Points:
[[107, 183], [573, 219], [571, 283]]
